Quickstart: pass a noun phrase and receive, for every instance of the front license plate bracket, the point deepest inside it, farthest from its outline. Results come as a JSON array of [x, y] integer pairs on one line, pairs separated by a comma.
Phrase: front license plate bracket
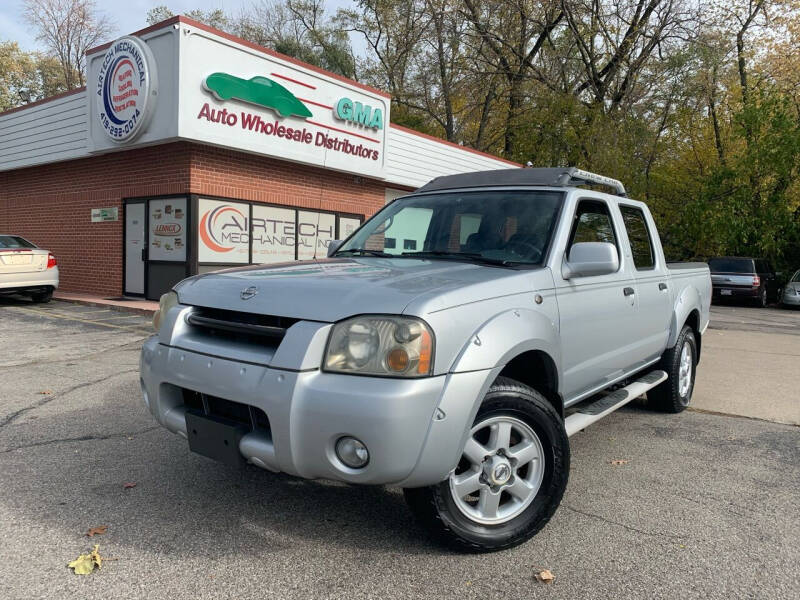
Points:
[[215, 438]]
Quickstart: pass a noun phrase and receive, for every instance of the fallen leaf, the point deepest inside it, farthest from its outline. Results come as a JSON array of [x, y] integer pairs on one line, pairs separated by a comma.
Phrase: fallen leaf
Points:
[[99, 530], [129, 484], [85, 563], [619, 461], [46, 392], [545, 576]]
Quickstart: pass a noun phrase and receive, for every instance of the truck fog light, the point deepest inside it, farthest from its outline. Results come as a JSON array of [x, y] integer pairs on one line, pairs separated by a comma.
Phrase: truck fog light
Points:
[[352, 452]]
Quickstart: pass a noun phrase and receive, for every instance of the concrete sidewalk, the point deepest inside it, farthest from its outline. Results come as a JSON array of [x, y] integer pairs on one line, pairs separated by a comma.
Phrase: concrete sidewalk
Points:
[[134, 305], [751, 374]]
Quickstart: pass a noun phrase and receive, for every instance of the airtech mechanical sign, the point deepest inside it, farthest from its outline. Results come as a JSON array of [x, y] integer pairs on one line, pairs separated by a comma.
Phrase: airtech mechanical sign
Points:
[[126, 89]]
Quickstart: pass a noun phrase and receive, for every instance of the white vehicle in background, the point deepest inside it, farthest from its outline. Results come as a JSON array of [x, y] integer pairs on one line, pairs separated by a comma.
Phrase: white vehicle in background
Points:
[[26, 269]]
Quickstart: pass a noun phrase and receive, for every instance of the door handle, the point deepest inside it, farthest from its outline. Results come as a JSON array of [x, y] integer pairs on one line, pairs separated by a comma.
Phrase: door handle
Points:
[[662, 286], [628, 291]]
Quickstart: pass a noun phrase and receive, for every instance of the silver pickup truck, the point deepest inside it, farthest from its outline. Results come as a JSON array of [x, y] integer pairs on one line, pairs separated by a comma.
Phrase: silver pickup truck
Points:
[[450, 346]]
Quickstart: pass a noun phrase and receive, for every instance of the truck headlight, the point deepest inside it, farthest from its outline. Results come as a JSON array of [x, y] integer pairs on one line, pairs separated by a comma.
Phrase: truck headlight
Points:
[[380, 345], [166, 302]]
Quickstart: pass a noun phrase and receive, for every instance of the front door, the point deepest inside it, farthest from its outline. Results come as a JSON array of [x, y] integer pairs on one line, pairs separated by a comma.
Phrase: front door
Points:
[[135, 248], [597, 313]]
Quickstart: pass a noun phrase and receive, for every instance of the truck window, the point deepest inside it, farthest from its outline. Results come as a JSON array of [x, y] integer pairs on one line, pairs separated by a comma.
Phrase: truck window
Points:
[[639, 237], [513, 226], [593, 224]]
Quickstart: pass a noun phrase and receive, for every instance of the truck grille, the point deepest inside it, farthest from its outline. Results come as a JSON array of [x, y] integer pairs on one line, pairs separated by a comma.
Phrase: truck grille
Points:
[[239, 326], [252, 417]]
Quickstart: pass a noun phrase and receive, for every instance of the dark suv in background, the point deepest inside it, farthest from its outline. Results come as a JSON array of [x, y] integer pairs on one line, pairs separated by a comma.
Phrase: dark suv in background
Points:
[[738, 277]]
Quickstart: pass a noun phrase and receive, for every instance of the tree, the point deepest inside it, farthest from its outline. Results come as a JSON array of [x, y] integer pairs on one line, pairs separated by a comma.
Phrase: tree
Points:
[[512, 35], [27, 76], [213, 18], [68, 28]]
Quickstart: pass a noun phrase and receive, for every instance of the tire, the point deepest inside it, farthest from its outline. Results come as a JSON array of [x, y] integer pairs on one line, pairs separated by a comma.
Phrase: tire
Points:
[[673, 396], [42, 297], [761, 301], [538, 483]]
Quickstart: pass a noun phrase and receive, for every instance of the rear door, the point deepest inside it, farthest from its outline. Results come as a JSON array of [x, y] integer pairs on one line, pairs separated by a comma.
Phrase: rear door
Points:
[[652, 282]]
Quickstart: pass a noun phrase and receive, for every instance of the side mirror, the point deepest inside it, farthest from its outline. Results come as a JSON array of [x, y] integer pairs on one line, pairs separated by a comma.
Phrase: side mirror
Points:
[[333, 246], [590, 258]]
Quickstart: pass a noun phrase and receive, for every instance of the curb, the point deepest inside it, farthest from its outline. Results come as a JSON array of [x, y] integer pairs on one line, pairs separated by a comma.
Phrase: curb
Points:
[[140, 310]]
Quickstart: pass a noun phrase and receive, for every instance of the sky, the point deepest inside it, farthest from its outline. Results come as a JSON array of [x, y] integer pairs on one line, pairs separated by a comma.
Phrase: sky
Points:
[[129, 15]]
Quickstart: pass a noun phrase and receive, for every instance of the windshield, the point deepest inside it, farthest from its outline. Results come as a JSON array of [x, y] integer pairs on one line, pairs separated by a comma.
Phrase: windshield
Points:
[[731, 265], [504, 227], [796, 276], [14, 241]]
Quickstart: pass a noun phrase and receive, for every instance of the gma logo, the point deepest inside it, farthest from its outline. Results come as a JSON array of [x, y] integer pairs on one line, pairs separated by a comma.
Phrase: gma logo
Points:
[[355, 112]]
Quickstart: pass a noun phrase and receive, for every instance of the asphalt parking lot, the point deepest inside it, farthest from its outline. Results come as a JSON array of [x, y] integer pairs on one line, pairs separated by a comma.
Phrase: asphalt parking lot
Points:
[[707, 506]]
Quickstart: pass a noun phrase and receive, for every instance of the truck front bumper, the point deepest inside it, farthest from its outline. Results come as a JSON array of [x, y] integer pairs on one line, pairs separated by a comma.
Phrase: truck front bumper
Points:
[[414, 429]]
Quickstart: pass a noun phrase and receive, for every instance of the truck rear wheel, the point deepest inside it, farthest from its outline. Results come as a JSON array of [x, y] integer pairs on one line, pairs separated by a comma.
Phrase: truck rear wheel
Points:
[[680, 363], [510, 478]]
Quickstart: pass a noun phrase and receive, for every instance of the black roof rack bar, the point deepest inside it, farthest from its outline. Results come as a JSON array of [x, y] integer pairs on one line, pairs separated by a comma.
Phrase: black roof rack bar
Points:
[[551, 177]]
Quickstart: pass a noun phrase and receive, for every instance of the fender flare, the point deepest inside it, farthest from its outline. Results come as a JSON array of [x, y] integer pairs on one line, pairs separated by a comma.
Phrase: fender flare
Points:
[[687, 302], [506, 336], [497, 341]]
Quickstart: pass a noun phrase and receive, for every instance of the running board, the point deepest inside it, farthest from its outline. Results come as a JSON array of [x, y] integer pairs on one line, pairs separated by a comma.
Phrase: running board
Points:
[[591, 413]]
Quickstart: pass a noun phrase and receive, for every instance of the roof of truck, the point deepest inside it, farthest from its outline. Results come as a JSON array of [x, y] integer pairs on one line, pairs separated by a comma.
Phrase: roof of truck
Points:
[[540, 176]]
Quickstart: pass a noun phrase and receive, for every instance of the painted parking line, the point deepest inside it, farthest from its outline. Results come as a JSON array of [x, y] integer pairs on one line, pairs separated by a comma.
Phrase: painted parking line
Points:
[[51, 315]]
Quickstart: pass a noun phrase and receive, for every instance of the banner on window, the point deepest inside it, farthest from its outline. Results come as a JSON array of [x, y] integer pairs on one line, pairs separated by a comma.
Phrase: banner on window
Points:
[[273, 233], [314, 232], [168, 229], [223, 232]]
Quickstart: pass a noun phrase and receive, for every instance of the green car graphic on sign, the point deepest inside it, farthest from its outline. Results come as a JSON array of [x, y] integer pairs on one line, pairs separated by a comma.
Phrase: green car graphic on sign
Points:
[[258, 90]]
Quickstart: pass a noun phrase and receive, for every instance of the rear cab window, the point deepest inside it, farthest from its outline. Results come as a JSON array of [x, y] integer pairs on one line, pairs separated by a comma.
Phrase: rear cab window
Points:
[[639, 237], [13, 242], [731, 265]]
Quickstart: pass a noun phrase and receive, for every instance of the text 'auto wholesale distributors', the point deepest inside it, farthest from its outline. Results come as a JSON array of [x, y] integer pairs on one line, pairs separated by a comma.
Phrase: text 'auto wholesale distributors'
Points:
[[252, 122]]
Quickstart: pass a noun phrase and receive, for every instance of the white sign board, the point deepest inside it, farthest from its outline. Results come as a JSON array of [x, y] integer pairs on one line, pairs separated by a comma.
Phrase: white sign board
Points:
[[235, 96], [223, 232], [167, 229]]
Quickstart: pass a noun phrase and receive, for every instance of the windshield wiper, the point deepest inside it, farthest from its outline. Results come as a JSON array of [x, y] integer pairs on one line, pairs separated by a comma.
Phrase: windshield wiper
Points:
[[477, 257], [362, 252]]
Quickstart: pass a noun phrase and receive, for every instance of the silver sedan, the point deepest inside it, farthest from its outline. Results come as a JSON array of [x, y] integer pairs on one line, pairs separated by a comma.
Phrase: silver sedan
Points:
[[791, 293]]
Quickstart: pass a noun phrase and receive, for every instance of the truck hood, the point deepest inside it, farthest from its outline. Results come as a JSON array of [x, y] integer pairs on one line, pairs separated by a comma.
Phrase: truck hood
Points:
[[333, 289]]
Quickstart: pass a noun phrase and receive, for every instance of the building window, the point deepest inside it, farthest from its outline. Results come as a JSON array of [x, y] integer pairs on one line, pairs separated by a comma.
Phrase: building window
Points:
[[389, 243], [409, 244]]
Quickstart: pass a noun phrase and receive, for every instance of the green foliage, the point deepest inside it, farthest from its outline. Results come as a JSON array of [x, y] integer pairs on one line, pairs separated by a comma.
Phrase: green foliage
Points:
[[27, 76]]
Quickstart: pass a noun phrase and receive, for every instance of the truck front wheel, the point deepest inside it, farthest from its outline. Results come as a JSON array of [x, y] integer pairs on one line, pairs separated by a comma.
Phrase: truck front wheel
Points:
[[510, 478]]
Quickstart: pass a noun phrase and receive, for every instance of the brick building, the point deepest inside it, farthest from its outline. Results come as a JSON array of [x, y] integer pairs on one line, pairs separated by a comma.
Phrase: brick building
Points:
[[191, 150]]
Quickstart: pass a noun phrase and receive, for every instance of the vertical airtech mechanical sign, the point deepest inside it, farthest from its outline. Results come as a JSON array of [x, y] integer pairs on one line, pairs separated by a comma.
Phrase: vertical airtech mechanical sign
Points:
[[126, 89]]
